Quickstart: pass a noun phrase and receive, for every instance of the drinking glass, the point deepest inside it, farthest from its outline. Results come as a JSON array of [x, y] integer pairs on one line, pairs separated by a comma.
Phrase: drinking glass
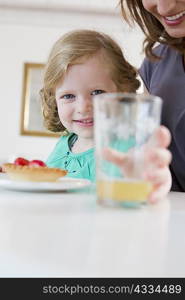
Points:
[[126, 123]]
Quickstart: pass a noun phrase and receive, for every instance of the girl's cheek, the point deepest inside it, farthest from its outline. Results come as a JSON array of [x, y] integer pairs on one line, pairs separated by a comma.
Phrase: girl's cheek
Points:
[[65, 112]]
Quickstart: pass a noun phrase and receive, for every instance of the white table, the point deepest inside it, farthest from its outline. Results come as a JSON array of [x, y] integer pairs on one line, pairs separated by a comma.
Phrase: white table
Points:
[[68, 235]]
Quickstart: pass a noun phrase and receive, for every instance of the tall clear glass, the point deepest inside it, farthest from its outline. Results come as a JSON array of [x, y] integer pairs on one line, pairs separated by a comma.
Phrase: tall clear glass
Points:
[[126, 123]]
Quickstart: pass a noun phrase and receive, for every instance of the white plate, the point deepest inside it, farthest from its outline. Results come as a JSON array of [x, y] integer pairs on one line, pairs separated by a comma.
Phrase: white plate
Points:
[[63, 184]]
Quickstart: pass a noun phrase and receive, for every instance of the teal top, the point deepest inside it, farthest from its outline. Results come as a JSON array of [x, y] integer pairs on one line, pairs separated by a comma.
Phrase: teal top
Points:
[[78, 165], [82, 165]]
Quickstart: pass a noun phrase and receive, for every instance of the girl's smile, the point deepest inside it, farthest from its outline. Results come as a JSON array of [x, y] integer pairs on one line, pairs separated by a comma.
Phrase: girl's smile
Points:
[[88, 122]]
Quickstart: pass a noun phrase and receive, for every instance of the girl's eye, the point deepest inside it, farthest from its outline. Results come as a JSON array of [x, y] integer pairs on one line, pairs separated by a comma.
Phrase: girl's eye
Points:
[[68, 96], [97, 92]]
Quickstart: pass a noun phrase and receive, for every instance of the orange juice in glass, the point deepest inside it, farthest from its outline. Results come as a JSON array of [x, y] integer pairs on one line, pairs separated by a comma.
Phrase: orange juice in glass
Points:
[[124, 122]]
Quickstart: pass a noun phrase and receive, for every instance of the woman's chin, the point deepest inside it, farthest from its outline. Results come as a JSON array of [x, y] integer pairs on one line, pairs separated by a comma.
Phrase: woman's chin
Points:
[[174, 33]]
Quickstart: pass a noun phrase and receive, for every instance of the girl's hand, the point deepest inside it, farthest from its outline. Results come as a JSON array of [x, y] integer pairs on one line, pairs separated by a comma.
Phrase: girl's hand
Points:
[[157, 156]]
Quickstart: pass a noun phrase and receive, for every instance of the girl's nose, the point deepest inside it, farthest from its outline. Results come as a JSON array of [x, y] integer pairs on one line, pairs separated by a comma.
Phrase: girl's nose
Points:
[[84, 105], [167, 7]]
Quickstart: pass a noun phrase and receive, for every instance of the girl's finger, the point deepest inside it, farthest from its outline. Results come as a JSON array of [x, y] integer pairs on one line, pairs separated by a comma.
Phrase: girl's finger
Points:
[[161, 189], [159, 194], [161, 137], [115, 156], [158, 176], [158, 157]]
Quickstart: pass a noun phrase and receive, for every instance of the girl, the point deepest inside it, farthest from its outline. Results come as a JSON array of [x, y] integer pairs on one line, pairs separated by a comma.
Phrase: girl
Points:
[[82, 64]]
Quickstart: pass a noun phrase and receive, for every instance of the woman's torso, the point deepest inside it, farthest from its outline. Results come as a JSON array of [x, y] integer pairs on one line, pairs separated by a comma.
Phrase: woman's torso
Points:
[[166, 78]]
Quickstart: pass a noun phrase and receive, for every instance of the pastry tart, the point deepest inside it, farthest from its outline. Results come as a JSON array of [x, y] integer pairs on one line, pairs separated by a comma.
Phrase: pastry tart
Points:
[[33, 173]]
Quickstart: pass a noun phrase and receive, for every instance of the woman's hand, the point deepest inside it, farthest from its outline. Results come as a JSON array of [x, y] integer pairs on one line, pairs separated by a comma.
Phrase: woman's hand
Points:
[[157, 156]]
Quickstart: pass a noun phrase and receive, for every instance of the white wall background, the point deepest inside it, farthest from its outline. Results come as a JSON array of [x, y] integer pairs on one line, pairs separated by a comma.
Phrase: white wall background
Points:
[[26, 35]]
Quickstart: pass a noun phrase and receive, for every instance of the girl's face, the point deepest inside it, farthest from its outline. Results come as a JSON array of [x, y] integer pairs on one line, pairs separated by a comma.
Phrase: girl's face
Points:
[[170, 13], [75, 92]]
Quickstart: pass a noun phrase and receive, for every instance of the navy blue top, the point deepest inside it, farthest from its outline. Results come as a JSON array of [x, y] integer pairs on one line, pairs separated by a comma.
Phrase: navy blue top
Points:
[[166, 78]]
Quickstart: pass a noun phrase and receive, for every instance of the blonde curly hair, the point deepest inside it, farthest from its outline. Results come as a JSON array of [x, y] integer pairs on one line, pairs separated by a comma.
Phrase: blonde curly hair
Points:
[[73, 48]]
